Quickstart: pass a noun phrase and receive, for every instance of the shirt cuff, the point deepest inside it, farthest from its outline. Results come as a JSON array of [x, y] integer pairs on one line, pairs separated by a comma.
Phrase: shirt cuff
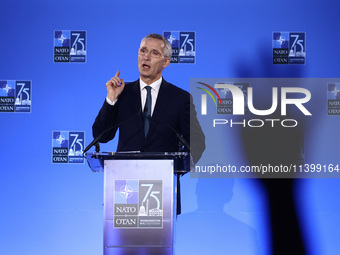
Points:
[[111, 102]]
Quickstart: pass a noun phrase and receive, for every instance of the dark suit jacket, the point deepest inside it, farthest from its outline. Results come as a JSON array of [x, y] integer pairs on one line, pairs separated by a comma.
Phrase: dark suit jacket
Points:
[[173, 109]]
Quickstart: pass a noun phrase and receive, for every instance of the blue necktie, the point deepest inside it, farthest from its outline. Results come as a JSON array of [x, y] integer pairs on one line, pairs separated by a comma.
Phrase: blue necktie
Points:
[[147, 110]]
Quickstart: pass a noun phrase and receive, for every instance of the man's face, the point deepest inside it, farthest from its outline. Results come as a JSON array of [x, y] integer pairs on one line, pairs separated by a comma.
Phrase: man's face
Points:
[[151, 60]]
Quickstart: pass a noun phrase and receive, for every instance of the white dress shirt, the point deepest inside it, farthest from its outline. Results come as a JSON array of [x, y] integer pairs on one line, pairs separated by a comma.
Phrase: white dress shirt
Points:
[[154, 93]]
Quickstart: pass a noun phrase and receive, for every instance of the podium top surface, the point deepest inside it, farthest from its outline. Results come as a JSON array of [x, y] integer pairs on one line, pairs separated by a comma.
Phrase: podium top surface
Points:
[[182, 160], [137, 155]]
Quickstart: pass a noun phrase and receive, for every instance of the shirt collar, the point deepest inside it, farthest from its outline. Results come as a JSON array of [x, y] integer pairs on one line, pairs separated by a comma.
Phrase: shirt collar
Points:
[[155, 85]]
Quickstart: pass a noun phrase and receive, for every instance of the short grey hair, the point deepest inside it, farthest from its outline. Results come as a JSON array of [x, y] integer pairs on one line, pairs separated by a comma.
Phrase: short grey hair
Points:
[[167, 45]]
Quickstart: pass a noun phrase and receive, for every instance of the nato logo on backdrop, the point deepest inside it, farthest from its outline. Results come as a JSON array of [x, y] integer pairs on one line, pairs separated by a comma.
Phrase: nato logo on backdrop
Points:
[[224, 97], [15, 96], [138, 204], [333, 96], [183, 46], [70, 46], [68, 146], [289, 47], [227, 99]]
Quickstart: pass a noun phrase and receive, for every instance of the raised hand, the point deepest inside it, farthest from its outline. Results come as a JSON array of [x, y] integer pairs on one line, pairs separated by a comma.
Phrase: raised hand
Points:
[[115, 87]]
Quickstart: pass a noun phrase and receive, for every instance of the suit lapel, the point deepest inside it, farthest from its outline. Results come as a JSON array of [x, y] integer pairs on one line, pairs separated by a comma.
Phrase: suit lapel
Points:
[[162, 101], [134, 101], [135, 98]]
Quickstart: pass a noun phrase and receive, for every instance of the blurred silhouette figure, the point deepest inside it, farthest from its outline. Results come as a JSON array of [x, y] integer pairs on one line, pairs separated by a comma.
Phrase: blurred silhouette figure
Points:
[[209, 230], [276, 146]]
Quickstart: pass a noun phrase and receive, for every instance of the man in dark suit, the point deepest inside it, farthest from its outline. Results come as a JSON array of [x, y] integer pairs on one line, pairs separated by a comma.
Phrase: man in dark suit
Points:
[[170, 109]]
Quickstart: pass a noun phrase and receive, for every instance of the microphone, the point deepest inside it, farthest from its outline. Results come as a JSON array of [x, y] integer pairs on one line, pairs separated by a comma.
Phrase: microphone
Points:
[[97, 147], [96, 140], [191, 161]]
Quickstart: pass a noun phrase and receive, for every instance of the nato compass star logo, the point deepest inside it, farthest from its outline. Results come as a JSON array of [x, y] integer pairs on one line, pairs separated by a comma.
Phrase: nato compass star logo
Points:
[[281, 40], [224, 91], [126, 191], [171, 39], [7, 88], [60, 139], [62, 38], [335, 92]]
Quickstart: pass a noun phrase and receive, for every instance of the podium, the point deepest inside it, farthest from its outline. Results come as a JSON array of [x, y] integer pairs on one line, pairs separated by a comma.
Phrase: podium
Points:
[[139, 200]]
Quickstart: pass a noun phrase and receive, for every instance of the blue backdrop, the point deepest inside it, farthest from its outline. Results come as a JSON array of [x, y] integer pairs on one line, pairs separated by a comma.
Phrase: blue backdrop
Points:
[[51, 208]]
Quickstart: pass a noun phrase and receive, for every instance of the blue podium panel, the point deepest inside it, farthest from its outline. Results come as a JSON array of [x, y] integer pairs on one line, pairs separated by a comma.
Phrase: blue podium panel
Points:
[[138, 206]]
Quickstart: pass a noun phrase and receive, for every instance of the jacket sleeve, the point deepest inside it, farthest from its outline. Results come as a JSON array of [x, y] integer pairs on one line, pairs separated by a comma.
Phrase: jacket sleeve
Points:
[[192, 131], [104, 123]]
